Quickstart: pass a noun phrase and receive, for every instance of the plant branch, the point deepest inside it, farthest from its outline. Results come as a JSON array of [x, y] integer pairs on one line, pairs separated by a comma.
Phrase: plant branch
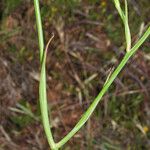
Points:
[[42, 84], [39, 27], [92, 107], [109, 81]]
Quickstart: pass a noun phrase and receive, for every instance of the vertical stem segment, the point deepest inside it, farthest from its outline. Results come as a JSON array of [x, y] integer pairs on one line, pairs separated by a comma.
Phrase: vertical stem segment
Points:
[[39, 27], [42, 86]]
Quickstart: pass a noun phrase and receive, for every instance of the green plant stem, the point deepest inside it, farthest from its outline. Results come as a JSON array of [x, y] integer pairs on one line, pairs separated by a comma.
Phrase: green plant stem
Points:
[[92, 107], [39, 27], [43, 105], [127, 29], [42, 86], [124, 17]]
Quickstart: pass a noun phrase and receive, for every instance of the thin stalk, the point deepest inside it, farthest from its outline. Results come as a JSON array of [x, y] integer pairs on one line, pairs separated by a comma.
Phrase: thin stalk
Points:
[[92, 107], [42, 85], [39, 27], [124, 17], [118, 7], [127, 29]]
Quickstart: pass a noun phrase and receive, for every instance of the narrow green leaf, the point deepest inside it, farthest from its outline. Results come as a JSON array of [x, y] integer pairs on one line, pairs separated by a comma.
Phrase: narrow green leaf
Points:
[[39, 27], [124, 17], [43, 101], [92, 107], [42, 84], [118, 7], [127, 29]]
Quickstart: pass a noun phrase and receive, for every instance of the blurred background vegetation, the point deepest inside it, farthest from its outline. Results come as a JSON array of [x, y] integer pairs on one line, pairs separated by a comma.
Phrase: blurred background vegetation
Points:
[[88, 44]]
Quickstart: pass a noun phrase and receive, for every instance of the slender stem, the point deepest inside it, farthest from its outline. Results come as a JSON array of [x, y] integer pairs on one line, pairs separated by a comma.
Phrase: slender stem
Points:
[[92, 107], [124, 17], [127, 29], [43, 105], [39, 27], [42, 86]]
